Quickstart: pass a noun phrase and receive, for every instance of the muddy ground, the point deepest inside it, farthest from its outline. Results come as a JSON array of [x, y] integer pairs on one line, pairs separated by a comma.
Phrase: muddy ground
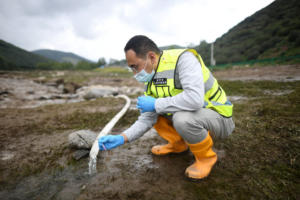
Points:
[[36, 158]]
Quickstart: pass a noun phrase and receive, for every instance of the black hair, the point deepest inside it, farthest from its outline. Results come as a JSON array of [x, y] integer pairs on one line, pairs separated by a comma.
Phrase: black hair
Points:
[[141, 45]]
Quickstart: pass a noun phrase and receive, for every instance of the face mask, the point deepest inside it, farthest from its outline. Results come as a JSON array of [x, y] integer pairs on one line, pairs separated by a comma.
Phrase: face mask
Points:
[[143, 76]]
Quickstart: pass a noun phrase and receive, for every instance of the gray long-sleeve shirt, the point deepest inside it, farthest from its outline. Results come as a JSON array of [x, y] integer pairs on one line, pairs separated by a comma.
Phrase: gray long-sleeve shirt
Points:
[[191, 99]]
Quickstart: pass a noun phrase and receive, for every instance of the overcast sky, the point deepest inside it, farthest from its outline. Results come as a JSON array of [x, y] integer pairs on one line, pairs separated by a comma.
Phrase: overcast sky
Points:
[[101, 28]]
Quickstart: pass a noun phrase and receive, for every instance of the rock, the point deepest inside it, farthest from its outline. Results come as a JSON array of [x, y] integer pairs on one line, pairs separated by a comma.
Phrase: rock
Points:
[[30, 92], [3, 91], [138, 90], [52, 84], [108, 96], [45, 97], [79, 154], [73, 96], [39, 81], [64, 96], [70, 87], [82, 139], [59, 82], [97, 91], [61, 87]]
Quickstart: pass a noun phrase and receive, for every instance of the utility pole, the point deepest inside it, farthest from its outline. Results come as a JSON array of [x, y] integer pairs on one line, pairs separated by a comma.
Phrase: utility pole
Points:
[[212, 60]]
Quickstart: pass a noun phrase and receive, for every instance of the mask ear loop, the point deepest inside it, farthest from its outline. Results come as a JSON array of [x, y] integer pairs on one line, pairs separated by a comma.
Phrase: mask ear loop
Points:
[[146, 62]]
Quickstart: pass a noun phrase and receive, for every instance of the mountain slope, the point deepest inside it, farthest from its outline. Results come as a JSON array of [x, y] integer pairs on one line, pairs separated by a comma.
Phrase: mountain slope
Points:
[[60, 56], [274, 31], [19, 58], [171, 47]]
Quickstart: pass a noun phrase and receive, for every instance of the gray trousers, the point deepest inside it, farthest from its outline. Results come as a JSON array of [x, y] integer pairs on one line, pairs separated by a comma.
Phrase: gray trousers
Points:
[[193, 126]]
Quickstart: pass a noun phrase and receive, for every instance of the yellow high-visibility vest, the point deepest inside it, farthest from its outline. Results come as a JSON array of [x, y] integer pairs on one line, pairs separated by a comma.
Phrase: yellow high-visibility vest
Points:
[[166, 83]]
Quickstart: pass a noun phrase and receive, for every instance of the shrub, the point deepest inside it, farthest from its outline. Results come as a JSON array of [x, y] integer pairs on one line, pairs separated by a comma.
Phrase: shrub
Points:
[[297, 43], [221, 59], [293, 36], [284, 32], [253, 55]]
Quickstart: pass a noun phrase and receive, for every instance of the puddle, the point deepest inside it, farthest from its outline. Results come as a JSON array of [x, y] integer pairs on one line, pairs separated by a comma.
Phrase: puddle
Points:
[[236, 98], [278, 93]]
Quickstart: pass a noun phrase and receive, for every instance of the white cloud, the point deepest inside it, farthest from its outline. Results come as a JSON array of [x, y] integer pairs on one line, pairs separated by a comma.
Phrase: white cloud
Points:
[[95, 29]]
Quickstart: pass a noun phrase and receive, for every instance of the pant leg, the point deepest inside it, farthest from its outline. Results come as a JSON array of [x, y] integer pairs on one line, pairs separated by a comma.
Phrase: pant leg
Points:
[[194, 126]]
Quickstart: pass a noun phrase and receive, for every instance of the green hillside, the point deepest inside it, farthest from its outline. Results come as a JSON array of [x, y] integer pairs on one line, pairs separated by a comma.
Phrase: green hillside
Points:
[[12, 57], [60, 56], [171, 47], [274, 31]]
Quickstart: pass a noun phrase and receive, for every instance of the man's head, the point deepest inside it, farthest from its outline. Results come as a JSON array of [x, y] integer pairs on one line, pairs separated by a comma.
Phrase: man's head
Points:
[[141, 45], [141, 52]]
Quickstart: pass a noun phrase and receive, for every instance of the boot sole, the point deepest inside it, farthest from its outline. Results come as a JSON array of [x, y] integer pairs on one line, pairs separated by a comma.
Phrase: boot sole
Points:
[[169, 153], [198, 179], [195, 180]]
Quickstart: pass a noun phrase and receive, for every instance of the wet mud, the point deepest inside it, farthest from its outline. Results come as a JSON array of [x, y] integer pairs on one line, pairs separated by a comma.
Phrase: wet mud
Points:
[[127, 172]]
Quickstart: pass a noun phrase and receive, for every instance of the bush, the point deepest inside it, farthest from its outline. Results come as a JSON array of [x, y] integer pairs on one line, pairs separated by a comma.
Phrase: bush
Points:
[[284, 32], [253, 55], [235, 58], [221, 59], [297, 43], [293, 36]]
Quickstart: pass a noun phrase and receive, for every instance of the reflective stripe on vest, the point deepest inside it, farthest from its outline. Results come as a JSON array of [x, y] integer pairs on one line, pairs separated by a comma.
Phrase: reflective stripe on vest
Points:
[[165, 82]]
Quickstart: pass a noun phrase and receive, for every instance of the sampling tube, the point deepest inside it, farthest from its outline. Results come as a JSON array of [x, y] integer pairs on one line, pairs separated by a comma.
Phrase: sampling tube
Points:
[[95, 148]]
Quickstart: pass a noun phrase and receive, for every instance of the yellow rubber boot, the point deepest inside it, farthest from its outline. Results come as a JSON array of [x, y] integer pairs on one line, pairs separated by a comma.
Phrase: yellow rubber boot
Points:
[[205, 159], [165, 129]]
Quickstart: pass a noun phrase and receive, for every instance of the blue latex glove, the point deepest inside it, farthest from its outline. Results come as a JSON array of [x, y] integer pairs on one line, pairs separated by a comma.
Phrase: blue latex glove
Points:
[[146, 104], [110, 141]]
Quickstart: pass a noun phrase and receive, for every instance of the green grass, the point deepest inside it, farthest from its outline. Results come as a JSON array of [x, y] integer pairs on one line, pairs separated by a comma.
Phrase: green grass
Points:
[[262, 155], [256, 88]]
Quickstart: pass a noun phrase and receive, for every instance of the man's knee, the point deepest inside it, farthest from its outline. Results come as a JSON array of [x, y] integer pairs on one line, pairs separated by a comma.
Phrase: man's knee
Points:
[[181, 121], [188, 128]]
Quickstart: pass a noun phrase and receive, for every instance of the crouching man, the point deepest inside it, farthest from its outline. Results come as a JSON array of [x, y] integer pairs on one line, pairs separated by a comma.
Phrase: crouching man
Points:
[[182, 101]]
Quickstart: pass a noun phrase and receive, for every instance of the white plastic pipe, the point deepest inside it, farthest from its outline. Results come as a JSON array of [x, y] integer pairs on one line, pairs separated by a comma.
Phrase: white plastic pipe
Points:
[[95, 148]]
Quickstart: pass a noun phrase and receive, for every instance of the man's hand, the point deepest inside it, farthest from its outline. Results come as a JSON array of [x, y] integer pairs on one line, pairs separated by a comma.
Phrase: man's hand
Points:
[[110, 141], [146, 104]]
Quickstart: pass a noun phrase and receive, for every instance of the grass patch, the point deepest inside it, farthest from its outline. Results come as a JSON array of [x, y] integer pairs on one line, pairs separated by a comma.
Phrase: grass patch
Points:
[[262, 153], [255, 88]]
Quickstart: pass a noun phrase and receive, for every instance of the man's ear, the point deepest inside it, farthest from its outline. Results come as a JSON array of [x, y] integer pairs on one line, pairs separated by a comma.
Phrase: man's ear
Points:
[[152, 57]]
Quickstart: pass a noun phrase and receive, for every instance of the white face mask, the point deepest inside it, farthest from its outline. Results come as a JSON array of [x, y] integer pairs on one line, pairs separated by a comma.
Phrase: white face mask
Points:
[[143, 76]]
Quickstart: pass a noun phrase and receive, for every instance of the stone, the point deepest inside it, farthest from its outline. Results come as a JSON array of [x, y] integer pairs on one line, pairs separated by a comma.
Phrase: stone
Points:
[[64, 96], [3, 91], [79, 154], [61, 87], [82, 139], [108, 96], [97, 91], [59, 82], [70, 87], [51, 83], [45, 97], [138, 90]]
